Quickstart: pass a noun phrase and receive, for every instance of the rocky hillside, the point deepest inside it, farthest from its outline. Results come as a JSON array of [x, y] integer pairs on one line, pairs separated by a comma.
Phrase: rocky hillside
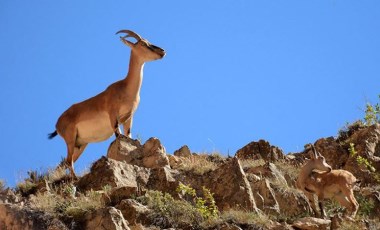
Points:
[[140, 186]]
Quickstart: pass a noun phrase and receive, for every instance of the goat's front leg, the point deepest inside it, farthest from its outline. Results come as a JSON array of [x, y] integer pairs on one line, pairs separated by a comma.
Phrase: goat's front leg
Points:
[[127, 126], [323, 213]]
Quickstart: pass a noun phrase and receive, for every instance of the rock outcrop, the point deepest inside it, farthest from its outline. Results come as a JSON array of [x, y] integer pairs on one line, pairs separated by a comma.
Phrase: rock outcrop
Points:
[[260, 150], [264, 186]]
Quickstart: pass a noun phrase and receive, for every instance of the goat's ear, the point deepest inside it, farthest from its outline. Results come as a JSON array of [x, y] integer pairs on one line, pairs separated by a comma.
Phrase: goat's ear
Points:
[[128, 43]]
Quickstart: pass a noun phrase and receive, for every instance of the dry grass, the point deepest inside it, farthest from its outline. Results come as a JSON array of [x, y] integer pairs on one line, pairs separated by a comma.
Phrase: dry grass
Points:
[[64, 201], [198, 164], [2, 185], [249, 163], [243, 217]]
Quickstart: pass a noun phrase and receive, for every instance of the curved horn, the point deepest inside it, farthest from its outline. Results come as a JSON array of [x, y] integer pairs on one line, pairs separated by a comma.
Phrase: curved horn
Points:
[[315, 151], [130, 34]]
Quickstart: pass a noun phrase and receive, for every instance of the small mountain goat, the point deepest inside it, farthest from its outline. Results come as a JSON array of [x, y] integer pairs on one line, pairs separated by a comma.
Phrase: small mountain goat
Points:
[[337, 184]]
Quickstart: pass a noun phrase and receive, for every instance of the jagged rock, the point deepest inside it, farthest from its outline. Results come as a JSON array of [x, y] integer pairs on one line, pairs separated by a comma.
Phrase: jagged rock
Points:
[[268, 170], [134, 212], [175, 162], [106, 219], [230, 187], [14, 217], [8, 196], [265, 197], [298, 205], [162, 179], [367, 145], [120, 193], [311, 223], [150, 155], [260, 150], [108, 172], [366, 142], [184, 151], [334, 153]]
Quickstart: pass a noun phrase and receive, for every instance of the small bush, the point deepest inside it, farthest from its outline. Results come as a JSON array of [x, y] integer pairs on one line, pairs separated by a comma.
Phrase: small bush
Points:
[[205, 205], [372, 114], [26, 188], [176, 213], [366, 206]]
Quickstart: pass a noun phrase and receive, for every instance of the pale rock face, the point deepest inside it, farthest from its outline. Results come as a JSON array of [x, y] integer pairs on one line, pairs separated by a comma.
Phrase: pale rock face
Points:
[[150, 155], [106, 219], [311, 223]]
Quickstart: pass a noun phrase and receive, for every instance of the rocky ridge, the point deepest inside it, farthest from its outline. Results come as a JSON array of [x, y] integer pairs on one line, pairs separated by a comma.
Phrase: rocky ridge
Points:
[[252, 190]]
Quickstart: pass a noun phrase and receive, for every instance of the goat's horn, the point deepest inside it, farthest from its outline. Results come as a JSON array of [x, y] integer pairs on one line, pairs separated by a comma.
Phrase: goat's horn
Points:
[[314, 150], [130, 34]]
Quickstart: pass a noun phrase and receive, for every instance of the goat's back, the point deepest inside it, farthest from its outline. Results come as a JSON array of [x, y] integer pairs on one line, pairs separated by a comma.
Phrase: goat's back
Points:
[[338, 176]]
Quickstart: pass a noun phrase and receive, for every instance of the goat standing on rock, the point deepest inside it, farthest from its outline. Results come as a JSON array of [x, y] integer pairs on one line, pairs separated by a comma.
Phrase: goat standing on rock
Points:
[[97, 118], [329, 184]]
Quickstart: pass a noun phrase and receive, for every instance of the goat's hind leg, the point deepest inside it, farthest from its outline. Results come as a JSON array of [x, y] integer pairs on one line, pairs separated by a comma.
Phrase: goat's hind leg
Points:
[[345, 202]]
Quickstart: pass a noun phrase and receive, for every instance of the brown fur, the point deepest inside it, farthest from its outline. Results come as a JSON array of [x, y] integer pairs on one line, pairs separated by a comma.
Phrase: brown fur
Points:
[[98, 117], [328, 184]]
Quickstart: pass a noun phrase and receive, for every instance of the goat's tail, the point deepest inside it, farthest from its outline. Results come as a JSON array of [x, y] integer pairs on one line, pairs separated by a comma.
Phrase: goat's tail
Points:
[[52, 135]]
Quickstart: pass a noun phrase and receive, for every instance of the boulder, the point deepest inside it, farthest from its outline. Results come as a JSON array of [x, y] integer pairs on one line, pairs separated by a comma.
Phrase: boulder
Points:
[[150, 155], [15, 217], [184, 151], [260, 150], [265, 197], [108, 172], [134, 212], [335, 154], [106, 219], [230, 187], [118, 194], [311, 223], [163, 179]]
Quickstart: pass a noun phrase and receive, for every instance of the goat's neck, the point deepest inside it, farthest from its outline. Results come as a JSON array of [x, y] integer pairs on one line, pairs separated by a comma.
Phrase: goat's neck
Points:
[[305, 172], [134, 77]]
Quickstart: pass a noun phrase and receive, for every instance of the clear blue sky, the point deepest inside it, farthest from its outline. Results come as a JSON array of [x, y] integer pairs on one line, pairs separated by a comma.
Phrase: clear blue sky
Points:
[[236, 71]]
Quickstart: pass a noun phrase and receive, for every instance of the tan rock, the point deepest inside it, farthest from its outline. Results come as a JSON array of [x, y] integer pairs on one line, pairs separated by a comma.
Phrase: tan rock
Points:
[[260, 150], [13, 217], [106, 219], [311, 223], [134, 212], [230, 187], [265, 197], [184, 151], [108, 172], [150, 155]]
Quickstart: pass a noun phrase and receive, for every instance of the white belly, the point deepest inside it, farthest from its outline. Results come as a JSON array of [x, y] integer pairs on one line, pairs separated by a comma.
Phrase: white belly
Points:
[[94, 129]]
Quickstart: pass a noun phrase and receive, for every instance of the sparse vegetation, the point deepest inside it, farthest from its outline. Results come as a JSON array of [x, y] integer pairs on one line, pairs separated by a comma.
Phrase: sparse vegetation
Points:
[[372, 114], [362, 161], [199, 164], [2, 185], [205, 205], [245, 217], [168, 211]]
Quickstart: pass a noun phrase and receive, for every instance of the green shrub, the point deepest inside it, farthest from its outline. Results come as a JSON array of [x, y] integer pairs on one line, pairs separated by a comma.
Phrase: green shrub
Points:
[[176, 213], [372, 114], [205, 205]]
